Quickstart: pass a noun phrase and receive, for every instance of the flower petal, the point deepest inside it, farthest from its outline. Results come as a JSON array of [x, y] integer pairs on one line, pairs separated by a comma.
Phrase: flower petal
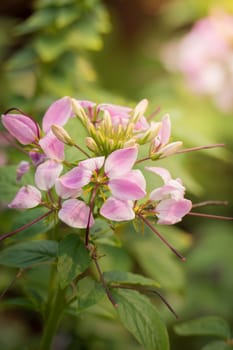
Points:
[[117, 210], [170, 211], [27, 197], [22, 169], [47, 173], [165, 130], [23, 128], [72, 181], [173, 189], [75, 213], [132, 186], [92, 164], [163, 173], [52, 147], [58, 113], [120, 162]]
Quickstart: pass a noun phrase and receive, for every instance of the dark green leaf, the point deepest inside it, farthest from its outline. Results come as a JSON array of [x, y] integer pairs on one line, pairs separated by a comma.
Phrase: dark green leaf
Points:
[[141, 318], [129, 278], [73, 259], [90, 293], [210, 325], [28, 253], [29, 215], [218, 345]]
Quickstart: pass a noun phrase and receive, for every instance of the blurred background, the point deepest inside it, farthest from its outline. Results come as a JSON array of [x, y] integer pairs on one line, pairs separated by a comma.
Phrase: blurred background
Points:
[[179, 55]]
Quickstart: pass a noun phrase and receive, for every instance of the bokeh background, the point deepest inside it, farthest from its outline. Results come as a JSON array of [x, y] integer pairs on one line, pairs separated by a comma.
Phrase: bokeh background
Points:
[[179, 55]]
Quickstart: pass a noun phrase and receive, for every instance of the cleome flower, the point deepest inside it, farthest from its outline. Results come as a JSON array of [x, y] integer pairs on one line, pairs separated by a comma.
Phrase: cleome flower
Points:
[[112, 175], [168, 202]]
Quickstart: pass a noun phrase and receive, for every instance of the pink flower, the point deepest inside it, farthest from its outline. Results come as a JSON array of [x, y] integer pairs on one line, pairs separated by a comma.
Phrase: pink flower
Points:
[[27, 197], [160, 144], [75, 213], [172, 205], [23, 128], [124, 183]]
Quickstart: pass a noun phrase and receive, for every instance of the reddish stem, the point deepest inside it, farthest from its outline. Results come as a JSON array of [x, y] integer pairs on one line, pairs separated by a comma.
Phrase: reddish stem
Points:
[[210, 216], [162, 238], [29, 224]]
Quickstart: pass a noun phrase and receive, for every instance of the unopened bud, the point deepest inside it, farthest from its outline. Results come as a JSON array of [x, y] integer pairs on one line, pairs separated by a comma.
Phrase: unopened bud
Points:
[[91, 144], [170, 149], [150, 134], [62, 135], [79, 111], [139, 110]]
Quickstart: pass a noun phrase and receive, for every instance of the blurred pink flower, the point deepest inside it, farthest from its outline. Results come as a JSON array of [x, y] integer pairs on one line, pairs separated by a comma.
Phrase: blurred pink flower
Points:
[[205, 57]]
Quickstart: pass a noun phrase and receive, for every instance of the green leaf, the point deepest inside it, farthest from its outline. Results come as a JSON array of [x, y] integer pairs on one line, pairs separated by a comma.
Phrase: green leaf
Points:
[[141, 318], [73, 259], [90, 293], [129, 278], [217, 345], [210, 325], [29, 253], [25, 217]]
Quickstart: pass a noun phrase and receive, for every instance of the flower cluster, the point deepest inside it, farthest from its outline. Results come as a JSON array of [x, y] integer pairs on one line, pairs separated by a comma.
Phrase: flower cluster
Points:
[[106, 182], [205, 57]]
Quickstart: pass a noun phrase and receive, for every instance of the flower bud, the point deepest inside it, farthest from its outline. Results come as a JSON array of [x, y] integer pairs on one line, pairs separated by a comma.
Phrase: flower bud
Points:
[[23, 128], [22, 169], [139, 110], [91, 144], [62, 135], [170, 149]]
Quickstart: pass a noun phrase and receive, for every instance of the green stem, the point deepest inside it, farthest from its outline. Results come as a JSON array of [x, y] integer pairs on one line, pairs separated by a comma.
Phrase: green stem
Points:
[[55, 311]]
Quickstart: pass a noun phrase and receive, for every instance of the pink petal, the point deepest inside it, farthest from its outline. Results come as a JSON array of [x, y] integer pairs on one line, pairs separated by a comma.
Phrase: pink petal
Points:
[[58, 113], [132, 186], [117, 210], [170, 211], [66, 192], [27, 197], [52, 147], [163, 173], [47, 173], [72, 181], [92, 164], [120, 162], [173, 189], [22, 169], [165, 130], [23, 128], [75, 213]]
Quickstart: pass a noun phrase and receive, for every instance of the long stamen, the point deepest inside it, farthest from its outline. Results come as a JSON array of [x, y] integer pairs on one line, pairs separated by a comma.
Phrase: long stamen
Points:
[[29, 224], [185, 150], [162, 238], [202, 204], [210, 216]]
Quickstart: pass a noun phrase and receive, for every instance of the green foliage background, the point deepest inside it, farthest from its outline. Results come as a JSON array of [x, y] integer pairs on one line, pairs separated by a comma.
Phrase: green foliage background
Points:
[[109, 51]]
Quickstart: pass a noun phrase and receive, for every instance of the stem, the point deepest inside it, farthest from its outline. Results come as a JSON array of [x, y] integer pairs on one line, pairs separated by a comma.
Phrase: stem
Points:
[[210, 216], [162, 238], [55, 310], [92, 202], [29, 224], [81, 150], [109, 295], [199, 148]]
